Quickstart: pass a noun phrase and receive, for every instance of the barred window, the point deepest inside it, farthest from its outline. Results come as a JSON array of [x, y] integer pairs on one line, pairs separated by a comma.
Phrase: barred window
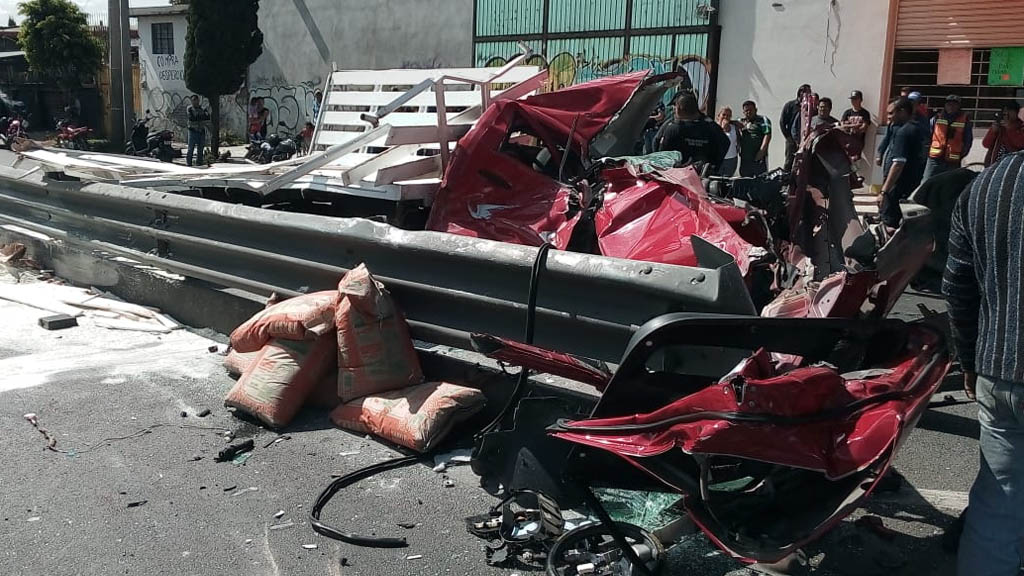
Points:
[[163, 38]]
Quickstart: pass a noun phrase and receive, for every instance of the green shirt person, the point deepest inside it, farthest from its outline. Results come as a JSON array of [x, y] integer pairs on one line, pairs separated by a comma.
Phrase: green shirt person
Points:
[[755, 135]]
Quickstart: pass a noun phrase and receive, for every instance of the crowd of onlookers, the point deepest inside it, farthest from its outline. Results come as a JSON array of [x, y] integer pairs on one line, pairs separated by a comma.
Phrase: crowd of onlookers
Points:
[[917, 144], [977, 227]]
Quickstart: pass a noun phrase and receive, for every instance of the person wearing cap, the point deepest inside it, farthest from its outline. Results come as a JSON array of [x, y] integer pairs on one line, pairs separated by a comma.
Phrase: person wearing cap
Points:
[[791, 116], [856, 119], [1006, 134], [951, 138], [920, 116], [901, 167]]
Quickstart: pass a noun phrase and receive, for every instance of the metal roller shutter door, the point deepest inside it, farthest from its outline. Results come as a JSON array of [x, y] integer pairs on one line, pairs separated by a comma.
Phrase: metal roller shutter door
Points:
[[959, 23]]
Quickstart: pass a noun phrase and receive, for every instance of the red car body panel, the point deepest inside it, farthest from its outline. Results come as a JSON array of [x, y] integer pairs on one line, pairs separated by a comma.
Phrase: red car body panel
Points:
[[652, 218], [488, 193]]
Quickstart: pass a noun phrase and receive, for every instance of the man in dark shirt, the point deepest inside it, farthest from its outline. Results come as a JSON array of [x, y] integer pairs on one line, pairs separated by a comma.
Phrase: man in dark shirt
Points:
[[790, 116], [856, 119], [197, 117], [902, 166], [824, 117], [696, 137]]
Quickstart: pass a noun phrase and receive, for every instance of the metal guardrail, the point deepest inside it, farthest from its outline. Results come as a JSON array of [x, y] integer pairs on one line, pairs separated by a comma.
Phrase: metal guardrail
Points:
[[447, 285]]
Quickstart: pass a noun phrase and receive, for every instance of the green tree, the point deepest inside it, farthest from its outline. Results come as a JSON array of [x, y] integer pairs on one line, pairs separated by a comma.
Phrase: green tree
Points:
[[223, 39], [58, 42]]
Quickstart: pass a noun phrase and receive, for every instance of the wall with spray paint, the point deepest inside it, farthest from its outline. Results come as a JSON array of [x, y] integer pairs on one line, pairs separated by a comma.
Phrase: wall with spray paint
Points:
[[290, 105], [162, 76]]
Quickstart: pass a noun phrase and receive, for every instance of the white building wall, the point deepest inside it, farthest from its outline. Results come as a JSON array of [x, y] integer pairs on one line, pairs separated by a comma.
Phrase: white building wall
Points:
[[162, 82], [162, 76], [768, 52]]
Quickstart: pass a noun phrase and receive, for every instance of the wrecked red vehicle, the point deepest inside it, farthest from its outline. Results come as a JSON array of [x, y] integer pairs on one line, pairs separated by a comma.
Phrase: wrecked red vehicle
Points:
[[531, 172], [774, 427], [556, 168], [768, 459]]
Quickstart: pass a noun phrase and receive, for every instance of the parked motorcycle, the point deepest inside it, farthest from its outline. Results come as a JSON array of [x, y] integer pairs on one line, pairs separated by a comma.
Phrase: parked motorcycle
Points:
[[156, 145], [254, 152], [71, 136], [273, 149], [12, 129]]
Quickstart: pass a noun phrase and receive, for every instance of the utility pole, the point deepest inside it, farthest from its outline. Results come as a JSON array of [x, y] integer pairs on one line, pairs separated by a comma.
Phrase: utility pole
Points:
[[121, 79]]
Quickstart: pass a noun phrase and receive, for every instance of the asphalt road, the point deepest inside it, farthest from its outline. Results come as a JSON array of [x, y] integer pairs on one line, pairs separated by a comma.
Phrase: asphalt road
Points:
[[113, 402]]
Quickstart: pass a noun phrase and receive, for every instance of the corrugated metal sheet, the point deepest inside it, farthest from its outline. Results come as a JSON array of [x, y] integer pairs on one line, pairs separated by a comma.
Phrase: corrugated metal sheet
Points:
[[666, 13], [497, 53], [959, 23], [508, 17], [651, 46], [586, 15], [589, 52]]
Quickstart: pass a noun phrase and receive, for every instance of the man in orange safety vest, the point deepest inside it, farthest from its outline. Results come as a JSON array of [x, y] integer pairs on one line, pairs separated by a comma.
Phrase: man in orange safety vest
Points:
[[951, 139]]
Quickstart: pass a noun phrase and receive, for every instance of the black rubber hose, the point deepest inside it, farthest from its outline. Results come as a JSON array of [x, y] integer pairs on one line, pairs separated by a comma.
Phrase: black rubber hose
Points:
[[351, 478], [347, 480], [531, 318]]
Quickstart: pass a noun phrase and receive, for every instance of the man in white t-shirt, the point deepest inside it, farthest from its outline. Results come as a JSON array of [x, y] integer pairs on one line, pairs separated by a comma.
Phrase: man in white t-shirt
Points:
[[732, 131]]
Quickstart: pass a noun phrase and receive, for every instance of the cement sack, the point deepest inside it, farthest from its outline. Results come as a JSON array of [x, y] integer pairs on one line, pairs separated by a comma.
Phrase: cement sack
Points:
[[280, 378], [324, 395], [418, 417], [375, 352], [305, 317], [236, 363]]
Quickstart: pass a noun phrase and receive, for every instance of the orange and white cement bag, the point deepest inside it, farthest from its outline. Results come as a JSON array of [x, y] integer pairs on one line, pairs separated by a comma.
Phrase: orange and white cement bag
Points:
[[418, 417], [237, 362], [375, 351], [304, 317], [324, 394], [282, 375]]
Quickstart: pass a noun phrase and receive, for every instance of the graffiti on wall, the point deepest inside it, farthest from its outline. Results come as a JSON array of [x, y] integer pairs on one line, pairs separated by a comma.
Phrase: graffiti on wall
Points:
[[565, 69], [290, 106], [168, 110], [169, 68]]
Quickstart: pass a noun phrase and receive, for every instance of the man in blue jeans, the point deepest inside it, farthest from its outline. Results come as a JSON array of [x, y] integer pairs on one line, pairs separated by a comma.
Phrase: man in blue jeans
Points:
[[197, 117], [985, 291]]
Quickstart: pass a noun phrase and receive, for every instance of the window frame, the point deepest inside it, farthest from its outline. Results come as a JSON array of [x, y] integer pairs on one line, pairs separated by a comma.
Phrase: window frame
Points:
[[166, 40]]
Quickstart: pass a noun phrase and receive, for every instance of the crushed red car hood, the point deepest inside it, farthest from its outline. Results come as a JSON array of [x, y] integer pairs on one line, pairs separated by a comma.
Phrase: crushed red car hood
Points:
[[487, 192], [491, 192], [652, 218]]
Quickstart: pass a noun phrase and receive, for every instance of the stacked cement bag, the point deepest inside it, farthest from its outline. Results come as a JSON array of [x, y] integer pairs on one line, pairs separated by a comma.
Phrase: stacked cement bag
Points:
[[349, 346]]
